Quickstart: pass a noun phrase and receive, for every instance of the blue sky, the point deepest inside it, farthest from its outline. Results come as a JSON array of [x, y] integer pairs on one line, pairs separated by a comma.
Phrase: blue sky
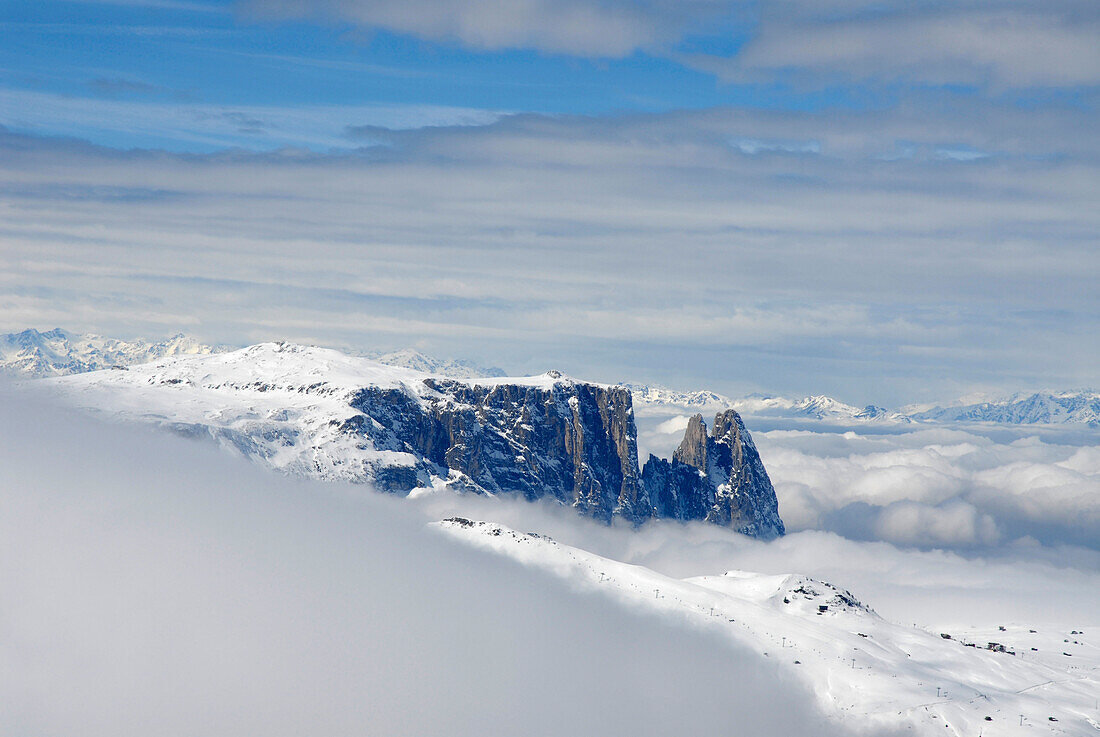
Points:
[[888, 201], [196, 57]]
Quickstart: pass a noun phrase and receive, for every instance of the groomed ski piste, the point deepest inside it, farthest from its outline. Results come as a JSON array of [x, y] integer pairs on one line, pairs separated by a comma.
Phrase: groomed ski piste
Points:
[[864, 670]]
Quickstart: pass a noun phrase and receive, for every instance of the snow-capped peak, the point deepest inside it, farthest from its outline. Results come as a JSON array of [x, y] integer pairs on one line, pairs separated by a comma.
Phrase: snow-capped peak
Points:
[[817, 407], [1046, 408], [32, 354]]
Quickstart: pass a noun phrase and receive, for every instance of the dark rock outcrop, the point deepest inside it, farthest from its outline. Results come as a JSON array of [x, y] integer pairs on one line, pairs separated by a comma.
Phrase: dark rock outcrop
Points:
[[574, 442], [717, 477]]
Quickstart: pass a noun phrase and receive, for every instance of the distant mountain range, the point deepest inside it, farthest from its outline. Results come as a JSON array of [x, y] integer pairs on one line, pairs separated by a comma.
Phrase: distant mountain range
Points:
[[413, 359], [1042, 408], [1037, 408], [818, 407], [33, 354]]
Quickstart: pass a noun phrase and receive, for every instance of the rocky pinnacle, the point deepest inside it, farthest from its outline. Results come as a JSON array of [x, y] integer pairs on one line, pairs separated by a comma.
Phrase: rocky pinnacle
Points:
[[575, 443]]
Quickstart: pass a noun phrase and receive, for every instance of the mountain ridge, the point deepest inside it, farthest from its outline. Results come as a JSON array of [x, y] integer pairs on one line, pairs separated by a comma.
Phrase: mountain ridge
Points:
[[1050, 407], [330, 415], [32, 354]]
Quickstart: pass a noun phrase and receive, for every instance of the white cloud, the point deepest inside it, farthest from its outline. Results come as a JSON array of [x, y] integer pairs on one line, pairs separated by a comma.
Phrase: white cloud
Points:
[[935, 488], [541, 241], [152, 585], [951, 524], [1006, 43], [609, 28], [1002, 44], [675, 426]]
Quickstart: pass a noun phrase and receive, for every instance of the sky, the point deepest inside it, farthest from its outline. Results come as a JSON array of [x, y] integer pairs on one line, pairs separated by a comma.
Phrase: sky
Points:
[[886, 201]]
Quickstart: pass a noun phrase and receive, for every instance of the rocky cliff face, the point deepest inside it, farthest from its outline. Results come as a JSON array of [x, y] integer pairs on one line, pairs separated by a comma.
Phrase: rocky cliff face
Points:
[[574, 443], [717, 477]]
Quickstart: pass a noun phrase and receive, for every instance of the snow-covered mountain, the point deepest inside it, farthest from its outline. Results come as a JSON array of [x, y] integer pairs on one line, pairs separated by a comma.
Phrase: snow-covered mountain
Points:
[[31, 354], [659, 396], [821, 407], [455, 368], [864, 670], [1041, 408], [326, 414], [818, 407]]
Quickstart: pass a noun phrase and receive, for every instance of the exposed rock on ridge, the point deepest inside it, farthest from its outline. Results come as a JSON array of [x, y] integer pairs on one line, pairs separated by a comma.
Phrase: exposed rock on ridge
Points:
[[717, 477], [575, 442]]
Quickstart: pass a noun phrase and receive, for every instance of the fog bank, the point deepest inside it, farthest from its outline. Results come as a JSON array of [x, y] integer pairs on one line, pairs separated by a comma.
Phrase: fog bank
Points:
[[153, 585]]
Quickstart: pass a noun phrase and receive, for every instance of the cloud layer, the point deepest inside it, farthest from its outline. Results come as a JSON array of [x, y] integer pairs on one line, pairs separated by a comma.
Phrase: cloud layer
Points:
[[717, 248], [999, 44], [964, 489], [151, 585], [940, 488]]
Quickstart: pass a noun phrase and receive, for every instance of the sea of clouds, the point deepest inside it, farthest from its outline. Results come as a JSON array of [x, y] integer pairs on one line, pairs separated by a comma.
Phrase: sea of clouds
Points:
[[962, 488], [155, 585]]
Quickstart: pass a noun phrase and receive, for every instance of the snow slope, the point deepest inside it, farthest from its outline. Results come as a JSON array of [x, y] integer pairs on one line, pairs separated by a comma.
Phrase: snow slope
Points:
[[863, 669]]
